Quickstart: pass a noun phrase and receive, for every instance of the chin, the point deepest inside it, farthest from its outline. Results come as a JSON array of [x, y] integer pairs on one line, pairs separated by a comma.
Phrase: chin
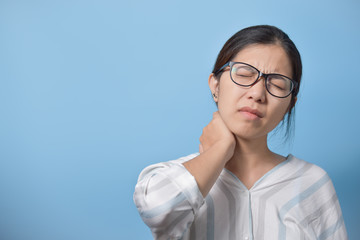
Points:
[[249, 134], [250, 131]]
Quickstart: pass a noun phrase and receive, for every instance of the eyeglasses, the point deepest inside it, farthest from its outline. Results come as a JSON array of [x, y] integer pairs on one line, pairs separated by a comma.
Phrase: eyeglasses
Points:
[[245, 75]]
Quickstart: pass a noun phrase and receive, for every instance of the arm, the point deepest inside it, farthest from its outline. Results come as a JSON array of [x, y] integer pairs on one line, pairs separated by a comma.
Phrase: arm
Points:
[[216, 148], [329, 223], [168, 195], [167, 198]]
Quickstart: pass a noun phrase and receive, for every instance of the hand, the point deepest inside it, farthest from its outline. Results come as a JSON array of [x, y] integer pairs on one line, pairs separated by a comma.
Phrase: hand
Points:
[[217, 132]]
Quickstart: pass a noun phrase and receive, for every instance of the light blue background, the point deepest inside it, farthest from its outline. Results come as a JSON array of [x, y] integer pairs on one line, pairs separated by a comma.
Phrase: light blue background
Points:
[[91, 92]]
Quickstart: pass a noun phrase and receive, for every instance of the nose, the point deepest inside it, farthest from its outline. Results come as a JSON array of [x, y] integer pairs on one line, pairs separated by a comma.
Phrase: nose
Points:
[[257, 92]]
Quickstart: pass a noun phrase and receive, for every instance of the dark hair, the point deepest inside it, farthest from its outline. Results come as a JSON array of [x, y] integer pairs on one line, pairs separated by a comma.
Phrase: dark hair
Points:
[[263, 34]]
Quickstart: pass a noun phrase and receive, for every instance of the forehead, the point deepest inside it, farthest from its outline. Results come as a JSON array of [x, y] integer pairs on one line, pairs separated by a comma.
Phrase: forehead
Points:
[[268, 58]]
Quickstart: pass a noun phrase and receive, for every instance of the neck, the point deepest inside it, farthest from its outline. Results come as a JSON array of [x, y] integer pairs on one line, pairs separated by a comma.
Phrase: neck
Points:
[[250, 154], [251, 160]]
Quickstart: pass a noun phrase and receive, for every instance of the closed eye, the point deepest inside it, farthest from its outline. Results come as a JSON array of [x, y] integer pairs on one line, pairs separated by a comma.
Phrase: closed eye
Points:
[[278, 86]]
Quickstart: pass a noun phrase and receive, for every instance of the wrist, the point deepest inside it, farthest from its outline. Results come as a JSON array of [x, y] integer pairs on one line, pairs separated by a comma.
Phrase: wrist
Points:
[[226, 148]]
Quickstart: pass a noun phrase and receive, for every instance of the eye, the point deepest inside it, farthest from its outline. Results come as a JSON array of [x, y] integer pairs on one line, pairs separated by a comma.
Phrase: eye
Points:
[[280, 83], [278, 86], [244, 71]]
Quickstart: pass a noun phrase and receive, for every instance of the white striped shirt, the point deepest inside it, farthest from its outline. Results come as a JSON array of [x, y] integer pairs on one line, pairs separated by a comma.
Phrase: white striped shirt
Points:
[[295, 200]]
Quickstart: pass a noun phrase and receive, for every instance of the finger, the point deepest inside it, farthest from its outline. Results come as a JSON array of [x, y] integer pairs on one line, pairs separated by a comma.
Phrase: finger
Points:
[[216, 114], [201, 150]]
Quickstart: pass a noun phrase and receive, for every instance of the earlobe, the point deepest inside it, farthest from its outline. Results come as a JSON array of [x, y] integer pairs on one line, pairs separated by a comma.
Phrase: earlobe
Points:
[[214, 86]]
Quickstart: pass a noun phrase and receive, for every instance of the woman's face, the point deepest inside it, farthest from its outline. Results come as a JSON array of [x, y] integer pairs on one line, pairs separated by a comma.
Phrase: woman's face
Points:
[[237, 105]]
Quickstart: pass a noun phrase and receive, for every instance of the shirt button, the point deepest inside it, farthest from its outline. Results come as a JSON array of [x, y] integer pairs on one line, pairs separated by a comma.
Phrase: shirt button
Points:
[[246, 238]]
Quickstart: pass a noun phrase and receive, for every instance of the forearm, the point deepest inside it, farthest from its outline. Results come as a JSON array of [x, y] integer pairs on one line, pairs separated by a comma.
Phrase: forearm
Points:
[[207, 167]]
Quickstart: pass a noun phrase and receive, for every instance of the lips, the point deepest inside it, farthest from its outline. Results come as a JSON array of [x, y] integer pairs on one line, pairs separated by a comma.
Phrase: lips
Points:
[[251, 111]]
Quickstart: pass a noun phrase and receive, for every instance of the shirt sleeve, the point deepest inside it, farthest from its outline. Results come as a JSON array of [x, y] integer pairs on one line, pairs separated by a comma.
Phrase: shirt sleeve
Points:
[[329, 223], [167, 198]]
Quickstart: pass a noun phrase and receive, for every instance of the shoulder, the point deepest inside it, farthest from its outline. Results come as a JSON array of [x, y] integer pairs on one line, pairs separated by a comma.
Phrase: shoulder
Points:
[[309, 169], [310, 174], [176, 163], [315, 201]]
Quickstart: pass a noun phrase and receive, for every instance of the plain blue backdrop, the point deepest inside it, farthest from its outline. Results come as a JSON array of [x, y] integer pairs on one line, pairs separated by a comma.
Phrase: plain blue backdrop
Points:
[[91, 92]]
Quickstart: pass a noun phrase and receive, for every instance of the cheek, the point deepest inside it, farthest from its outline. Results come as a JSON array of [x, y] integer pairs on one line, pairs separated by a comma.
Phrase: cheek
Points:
[[230, 94], [280, 111], [229, 100]]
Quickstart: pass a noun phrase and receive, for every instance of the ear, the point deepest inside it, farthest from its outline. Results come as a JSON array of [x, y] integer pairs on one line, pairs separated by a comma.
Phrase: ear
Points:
[[214, 85]]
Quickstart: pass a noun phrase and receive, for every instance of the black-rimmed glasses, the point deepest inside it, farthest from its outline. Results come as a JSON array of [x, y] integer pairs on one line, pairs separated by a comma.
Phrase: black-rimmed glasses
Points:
[[245, 75]]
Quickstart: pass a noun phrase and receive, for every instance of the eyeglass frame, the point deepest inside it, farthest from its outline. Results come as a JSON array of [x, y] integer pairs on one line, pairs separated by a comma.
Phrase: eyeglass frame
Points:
[[260, 74]]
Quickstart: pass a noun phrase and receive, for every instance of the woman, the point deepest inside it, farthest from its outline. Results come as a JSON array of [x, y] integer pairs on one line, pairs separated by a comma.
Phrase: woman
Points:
[[236, 187]]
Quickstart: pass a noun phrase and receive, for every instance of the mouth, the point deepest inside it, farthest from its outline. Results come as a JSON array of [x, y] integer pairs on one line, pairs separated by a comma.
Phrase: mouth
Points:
[[251, 113]]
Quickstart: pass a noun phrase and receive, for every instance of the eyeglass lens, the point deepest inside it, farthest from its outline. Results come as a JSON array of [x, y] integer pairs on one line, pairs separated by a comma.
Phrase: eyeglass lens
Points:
[[246, 75]]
